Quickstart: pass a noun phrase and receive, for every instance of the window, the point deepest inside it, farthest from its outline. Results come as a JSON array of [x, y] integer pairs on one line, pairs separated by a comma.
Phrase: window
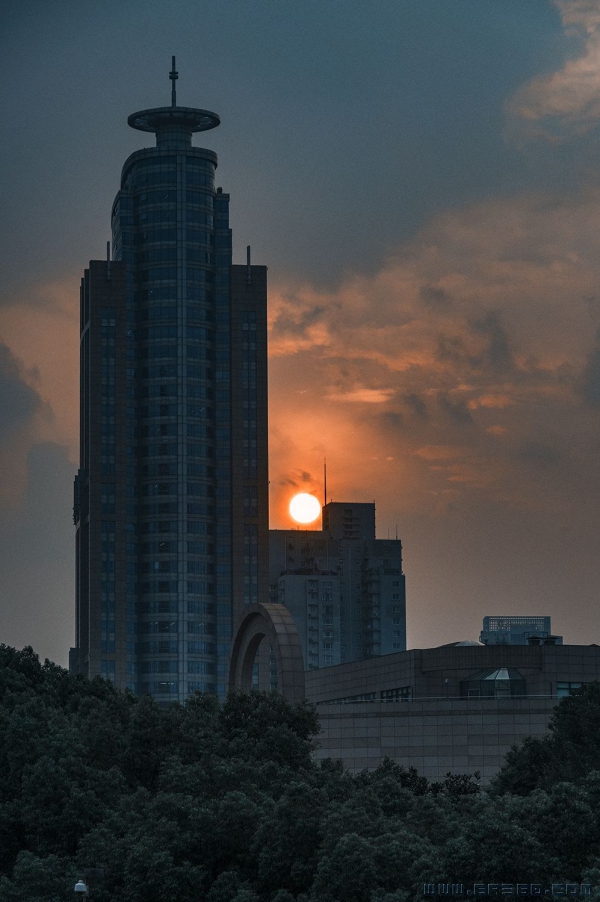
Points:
[[563, 690], [401, 694], [107, 670]]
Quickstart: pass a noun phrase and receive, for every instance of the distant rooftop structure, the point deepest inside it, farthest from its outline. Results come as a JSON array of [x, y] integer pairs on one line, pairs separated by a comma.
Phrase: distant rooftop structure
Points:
[[518, 630]]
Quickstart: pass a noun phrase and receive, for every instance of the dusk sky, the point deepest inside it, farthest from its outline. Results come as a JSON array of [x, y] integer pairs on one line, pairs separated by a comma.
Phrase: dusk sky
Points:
[[422, 178]]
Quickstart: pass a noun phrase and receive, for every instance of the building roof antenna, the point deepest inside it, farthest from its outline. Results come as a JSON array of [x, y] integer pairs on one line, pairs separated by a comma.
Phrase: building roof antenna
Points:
[[324, 481], [173, 76]]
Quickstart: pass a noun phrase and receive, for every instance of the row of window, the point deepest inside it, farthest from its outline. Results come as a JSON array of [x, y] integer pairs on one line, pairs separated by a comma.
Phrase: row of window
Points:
[[171, 687], [169, 370], [169, 390], [198, 489], [194, 587], [171, 606], [158, 352], [172, 626], [169, 430], [193, 411], [199, 667], [144, 175], [160, 332], [194, 276], [194, 527], [171, 647], [163, 546], [200, 314], [170, 469], [197, 568]]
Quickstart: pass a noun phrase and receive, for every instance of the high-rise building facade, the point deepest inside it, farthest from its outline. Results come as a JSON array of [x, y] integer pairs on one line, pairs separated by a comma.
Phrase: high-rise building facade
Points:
[[344, 588], [171, 499]]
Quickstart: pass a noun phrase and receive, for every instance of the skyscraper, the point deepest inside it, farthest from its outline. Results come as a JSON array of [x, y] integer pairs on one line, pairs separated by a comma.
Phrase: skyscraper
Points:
[[171, 499]]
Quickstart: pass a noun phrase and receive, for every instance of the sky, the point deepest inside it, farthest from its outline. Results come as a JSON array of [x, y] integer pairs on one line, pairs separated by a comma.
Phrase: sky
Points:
[[422, 179]]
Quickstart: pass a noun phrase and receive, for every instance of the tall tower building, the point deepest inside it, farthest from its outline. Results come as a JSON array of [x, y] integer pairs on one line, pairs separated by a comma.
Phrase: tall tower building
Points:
[[171, 499]]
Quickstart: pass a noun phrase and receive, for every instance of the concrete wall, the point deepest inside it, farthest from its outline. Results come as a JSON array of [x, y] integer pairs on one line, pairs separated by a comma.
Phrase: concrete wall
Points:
[[433, 735]]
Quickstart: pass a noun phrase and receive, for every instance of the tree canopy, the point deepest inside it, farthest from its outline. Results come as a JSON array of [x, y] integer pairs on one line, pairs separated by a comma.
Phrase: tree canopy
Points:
[[224, 803]]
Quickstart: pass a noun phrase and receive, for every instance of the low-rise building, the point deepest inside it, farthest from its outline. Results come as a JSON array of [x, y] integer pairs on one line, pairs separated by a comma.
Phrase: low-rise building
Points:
[[457, 708]]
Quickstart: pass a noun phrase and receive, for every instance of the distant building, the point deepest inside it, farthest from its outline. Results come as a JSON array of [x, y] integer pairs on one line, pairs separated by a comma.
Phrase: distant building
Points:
[[344, 587], [458, 708], [518, 631]]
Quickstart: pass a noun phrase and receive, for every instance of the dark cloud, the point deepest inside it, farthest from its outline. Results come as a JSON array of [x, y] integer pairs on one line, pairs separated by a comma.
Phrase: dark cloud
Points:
[[436, 298], [18, 401], [497, 355], [297, 478], [417, 405], [298, 321], [391, 420], [451, 349], [540, 454], [457, 410]]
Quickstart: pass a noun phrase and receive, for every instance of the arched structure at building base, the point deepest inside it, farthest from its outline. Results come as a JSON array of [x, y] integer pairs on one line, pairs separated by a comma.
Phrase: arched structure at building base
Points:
[[274, 624]]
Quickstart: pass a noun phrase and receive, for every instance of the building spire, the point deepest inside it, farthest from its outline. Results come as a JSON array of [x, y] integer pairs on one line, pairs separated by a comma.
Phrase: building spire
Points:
[[173, 76]]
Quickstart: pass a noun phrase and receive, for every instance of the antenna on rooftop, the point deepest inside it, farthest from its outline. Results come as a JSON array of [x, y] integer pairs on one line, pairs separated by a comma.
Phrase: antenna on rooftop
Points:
[[108, 259], [248, 268], [173, 76]]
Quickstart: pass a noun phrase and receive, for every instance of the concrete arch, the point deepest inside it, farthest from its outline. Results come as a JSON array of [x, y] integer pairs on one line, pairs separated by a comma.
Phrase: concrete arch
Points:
[[274, 623]]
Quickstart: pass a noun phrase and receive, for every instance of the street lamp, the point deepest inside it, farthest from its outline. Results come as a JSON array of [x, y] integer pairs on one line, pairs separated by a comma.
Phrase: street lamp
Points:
[[81, 889]]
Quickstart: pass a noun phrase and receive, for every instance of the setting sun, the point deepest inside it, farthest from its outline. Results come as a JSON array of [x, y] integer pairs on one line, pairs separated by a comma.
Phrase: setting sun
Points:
[[305, 508]]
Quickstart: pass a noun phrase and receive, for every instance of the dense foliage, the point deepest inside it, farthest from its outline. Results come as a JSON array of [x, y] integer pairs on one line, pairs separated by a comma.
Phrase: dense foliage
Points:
[[209, 803]]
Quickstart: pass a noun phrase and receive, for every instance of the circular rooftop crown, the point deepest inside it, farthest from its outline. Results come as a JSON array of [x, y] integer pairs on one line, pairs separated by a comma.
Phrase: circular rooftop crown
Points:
[[173, 117], [164, 118]]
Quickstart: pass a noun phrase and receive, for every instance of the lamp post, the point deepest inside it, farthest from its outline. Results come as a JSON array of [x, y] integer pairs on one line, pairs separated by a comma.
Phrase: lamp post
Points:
[[81, 890]]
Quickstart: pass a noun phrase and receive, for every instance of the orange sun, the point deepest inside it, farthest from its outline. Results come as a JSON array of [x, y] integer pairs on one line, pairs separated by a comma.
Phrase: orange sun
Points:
[[305, 508]]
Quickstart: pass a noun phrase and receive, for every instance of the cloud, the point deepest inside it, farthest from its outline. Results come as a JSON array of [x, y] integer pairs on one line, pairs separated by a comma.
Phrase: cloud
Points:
[[499, 373], [565, 104], [19, 401], [363, 395], [416, 404], [458, 409], [25, 419], [539, 453]]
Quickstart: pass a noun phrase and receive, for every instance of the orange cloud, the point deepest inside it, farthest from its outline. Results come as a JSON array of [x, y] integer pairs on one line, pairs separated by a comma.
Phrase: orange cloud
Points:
[[363, 395], [490, 309], [42, 329]]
